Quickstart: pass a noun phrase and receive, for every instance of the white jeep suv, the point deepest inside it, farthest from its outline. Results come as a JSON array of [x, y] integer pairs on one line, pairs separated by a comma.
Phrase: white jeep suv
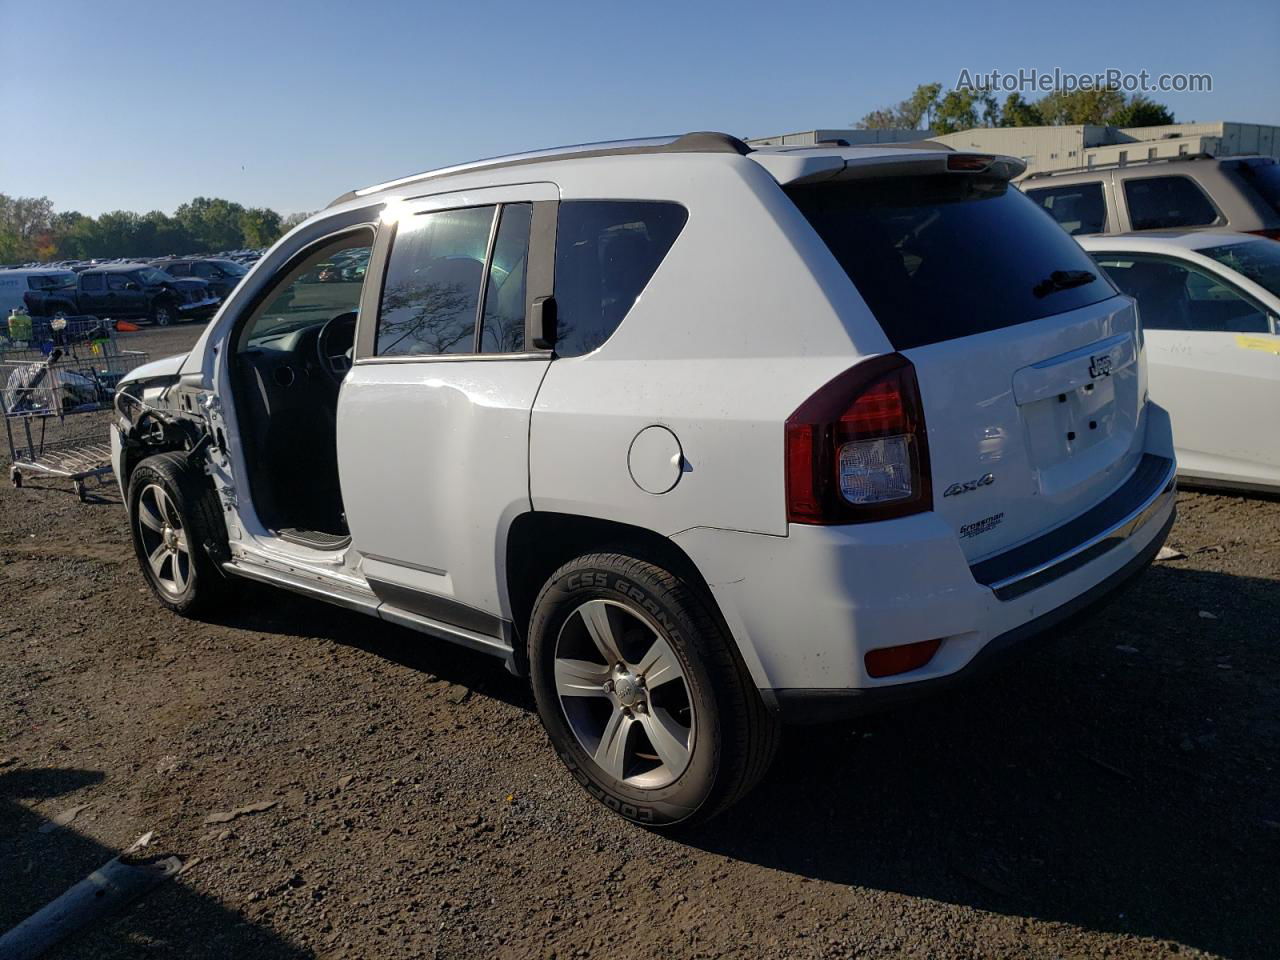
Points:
[[701, 438]]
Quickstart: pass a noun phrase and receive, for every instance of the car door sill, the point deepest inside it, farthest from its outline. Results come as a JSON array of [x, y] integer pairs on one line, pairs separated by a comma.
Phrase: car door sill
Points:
[[498, 646]]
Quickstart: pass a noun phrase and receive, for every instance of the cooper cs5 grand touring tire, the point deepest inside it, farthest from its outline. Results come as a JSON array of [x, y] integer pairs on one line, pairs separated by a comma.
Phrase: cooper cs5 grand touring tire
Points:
[[642, 692], [177, 530]]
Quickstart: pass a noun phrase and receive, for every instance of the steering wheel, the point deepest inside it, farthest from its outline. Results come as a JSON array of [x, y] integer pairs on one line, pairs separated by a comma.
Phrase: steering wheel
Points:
[[334, 345]]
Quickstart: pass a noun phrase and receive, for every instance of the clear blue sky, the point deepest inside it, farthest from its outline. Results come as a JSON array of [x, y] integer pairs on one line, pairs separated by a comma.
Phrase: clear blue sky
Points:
[[142, 106]]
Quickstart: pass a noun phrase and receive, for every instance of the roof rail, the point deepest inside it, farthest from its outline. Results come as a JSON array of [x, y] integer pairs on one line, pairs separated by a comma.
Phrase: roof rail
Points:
[[698, 142], [1140, 161]]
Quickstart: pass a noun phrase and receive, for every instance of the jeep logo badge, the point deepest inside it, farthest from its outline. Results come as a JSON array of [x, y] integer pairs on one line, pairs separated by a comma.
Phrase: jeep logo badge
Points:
[[1100, 366], [986, 480]]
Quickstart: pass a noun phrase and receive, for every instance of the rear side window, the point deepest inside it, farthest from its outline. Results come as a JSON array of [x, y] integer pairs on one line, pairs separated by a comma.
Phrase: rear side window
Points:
[[1176, 296], [93, 282], [432, 287], [1264, 177], [606, 252], [1157, 203], [1078, 208], [949, 256]]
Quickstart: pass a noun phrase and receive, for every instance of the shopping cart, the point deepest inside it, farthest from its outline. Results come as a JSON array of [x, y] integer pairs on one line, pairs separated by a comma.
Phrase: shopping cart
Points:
[[43, 391]]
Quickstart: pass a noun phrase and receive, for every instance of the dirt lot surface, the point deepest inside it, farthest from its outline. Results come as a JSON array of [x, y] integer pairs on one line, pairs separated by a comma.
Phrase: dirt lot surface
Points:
[[1114, 793]]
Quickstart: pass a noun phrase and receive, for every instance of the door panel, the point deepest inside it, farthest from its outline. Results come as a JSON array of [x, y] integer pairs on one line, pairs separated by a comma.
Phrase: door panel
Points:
[[1223, 396], [434, 463], [433, 429]]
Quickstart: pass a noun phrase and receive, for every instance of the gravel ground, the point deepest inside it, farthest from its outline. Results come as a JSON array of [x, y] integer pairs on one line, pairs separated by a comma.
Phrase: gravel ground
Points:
[[1113, 793]]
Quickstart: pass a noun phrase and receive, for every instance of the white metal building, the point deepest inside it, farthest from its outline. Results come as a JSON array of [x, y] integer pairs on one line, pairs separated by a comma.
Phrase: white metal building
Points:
[[1065, 147]]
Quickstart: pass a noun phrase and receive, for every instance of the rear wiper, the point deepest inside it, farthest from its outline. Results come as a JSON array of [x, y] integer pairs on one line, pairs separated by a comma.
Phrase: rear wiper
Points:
[[1062, 280]]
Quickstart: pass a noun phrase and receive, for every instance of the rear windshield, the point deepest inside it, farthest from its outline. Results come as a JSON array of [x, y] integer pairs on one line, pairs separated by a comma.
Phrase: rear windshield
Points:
[[949, 256]]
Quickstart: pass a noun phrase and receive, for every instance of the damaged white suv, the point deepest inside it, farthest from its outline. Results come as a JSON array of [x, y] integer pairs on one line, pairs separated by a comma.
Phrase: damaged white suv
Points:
[[702, 438]]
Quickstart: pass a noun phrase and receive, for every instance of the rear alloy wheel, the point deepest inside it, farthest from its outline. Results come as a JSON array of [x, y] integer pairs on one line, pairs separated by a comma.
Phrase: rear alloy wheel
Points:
[[642, 693], [624, 694]]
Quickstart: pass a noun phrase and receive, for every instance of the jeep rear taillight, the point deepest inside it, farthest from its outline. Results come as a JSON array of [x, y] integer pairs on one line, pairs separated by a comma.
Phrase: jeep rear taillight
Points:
[[856, 451]]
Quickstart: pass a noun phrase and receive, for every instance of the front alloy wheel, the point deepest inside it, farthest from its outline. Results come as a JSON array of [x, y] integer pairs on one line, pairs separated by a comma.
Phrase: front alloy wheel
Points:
[[164, 540], [162, 315], [179, 536]]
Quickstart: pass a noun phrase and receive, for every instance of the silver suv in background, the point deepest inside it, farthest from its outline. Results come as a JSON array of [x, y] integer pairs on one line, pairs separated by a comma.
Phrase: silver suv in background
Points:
[[1237, 193]]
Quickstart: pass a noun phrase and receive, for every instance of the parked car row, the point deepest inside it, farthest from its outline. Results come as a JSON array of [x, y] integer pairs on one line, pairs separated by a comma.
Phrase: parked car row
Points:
[[117, 291], [162, 291]]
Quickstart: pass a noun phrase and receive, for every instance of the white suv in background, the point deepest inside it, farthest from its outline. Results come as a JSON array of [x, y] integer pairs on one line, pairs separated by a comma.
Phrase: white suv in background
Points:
[[701, 438]]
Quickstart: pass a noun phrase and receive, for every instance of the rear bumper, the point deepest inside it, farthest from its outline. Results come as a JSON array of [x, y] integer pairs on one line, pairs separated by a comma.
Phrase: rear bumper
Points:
[[821, 706], [806, 608]]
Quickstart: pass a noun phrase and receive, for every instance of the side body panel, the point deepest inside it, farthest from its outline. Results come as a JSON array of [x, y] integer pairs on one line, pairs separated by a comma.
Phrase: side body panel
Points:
[[746, 316]]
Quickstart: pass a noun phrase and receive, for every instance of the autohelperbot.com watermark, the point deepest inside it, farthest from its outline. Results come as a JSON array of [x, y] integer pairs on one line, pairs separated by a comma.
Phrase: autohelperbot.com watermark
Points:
[[1033, 80]]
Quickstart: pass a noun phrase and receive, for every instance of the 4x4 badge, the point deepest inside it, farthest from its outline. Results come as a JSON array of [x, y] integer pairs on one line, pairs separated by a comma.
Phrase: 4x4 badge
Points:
[[1100, 366], [986, 480]]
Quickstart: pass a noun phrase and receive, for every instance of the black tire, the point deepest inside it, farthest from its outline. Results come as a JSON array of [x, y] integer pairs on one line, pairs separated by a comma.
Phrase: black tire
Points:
[[164, 313], [736, 734], [199, 585]]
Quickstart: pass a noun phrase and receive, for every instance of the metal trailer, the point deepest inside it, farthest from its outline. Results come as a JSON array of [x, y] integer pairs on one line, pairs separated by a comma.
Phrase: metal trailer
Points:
[[74, 370]]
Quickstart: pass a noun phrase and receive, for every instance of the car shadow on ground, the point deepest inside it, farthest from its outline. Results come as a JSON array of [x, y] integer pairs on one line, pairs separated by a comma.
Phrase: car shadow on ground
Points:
[[280, 612], [1114, 778], [36, 867]]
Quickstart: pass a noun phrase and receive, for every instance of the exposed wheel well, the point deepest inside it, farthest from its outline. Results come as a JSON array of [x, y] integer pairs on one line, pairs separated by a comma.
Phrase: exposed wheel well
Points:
[[539, 543]]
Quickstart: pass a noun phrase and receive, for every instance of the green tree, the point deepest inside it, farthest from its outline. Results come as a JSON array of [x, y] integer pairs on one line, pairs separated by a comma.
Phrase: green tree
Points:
[[260, 226], [1081, 106], [75, 235], [25, 226], [886, 119], [951, 110], [117, 234], [917, 111], [1142, 111], [212, 223], [293, 219], [962, 109], [913, 113], [1016, 112]]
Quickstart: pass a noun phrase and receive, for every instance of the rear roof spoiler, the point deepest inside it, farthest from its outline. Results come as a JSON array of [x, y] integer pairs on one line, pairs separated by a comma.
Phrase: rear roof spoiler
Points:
[[802, 167]]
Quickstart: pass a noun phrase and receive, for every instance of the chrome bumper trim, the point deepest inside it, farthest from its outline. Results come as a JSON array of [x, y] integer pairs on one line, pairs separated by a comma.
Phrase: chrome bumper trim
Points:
[[1014, 585]]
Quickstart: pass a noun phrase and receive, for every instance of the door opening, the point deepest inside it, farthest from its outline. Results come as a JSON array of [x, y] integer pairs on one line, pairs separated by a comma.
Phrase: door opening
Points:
[[291, 356]]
